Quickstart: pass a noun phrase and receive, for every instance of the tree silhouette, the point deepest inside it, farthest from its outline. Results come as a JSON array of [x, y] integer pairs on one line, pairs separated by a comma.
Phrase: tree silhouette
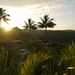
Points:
[[3, 16], [46, 22], [30, 25]]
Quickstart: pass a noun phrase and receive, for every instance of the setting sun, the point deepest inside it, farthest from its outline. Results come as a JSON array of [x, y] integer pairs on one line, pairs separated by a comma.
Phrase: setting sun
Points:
[[17, 17], [7, 28]]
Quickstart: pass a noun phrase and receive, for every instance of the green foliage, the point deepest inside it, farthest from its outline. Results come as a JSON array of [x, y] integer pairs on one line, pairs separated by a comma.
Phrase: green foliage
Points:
[[69, 54], [67, 59], [37, 45], [34, 61], [40, 60], [7, 67]]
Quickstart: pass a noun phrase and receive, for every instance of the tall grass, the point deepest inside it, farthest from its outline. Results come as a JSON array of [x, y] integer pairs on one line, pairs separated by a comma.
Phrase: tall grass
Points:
[[34, 63], [7, 67], [39, 62], [68, 56]]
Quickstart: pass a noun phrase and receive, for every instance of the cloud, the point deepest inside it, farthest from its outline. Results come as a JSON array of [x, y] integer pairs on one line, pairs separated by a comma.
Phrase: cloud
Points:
[[28, 2], [43, 6]]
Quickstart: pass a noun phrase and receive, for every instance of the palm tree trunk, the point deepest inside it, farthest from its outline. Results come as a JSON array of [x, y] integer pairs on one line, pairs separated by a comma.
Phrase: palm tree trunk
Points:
[[30, 32], [45, 33], [0, 27], [0, 23]]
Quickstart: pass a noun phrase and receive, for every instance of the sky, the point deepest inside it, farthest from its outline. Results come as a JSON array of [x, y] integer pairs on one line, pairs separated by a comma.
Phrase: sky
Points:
[[63, 12]]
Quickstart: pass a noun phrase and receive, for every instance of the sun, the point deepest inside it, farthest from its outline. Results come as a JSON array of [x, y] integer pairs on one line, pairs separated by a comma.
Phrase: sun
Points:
[[6, 27], [17, 17]]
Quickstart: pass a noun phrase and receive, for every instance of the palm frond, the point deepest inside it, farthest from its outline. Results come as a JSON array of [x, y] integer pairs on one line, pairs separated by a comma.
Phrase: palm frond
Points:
[[4, 15], [40, 23], [46, 22], [50, 24], [42, 20], [46, 18], [51, 19], [6, 19], [30, 25], [34, 27]]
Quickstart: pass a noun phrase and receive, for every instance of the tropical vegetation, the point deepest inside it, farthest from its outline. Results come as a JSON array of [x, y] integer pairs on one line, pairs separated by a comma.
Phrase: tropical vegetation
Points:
[[3, 16], [30, 25], [25, 54], [46, 22], [45, 61]]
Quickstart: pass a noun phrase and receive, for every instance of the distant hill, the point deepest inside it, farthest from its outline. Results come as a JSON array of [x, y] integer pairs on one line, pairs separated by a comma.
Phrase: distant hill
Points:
[[53, 36], [57, 36]]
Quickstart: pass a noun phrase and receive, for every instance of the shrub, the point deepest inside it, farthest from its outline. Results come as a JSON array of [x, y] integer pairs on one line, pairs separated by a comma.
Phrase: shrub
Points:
[[7, 67]]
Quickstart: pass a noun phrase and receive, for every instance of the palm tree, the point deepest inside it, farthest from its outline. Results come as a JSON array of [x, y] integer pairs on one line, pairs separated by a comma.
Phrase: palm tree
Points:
[[46, 22], [3, 16], [30, 25]]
